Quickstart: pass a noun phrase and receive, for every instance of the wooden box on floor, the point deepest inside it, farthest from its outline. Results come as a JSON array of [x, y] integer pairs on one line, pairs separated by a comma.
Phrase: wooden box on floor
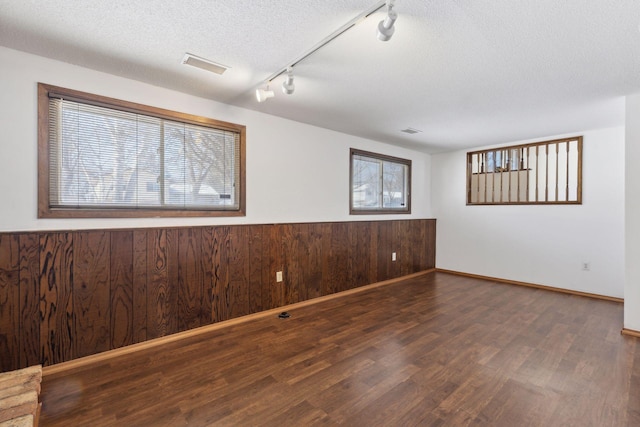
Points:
[[19, 397]]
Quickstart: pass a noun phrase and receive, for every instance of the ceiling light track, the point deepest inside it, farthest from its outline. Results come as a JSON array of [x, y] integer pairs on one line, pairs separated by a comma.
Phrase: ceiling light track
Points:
[[386, 25]]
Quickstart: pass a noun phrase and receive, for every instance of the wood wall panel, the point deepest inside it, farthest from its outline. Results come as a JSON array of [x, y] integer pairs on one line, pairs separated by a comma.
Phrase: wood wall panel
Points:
[[157, 284], [275, 294], [313, 274], [286, 237], [121, 288], [256, 279], [402, 244], [173, 291], [340, 253], [30, 315], [238, 289], [359, 259], [327, 286], [9, 302], [266, 268], [302, 262], [92, 292], [385, 247], [57, 331], [295, 256], [189, 278], [220, 285], [374, 231], [140, 286], [68, 294], [208, 272], [418, 235]]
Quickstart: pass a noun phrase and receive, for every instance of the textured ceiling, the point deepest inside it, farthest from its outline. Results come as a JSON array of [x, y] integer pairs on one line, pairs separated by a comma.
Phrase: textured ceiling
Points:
[[465, 72]]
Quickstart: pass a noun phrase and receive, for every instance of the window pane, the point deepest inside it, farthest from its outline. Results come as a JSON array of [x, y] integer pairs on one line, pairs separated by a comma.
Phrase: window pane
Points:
[[97, 156], [228, 189], [200, 166], [379, 183], [175, 187], [366, 183], [394, 183], [148, 162]]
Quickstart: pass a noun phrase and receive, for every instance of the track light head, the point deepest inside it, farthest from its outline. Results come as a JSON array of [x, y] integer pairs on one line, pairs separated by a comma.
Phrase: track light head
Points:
[[264, 94], [287, 86], [385, 27]]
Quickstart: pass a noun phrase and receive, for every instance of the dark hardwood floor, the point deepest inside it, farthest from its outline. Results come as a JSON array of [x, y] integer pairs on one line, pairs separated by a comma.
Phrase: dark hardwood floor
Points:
[[434, 350]]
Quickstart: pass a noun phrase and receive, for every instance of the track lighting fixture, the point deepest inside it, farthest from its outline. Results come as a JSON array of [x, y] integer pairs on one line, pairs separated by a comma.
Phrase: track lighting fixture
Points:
[[287, 86], [264, 94], [385, 31], [385, 27]]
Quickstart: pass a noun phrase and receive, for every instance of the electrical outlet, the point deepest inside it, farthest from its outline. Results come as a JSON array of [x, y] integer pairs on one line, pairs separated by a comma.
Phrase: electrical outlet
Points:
[[278, 276], [393, 256], [586, 266]]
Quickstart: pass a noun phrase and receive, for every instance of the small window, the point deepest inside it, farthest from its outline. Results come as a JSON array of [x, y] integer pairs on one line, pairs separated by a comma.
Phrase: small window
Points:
[[379, 184], [101, 157], [548, 172]]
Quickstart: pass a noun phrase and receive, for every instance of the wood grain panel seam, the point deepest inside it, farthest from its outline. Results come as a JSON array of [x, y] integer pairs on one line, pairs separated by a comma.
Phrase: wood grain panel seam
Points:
[[533, 285], [61, 368]]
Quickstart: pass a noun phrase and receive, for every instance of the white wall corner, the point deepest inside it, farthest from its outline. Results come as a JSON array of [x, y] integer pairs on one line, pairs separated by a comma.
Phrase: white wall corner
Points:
[[632, 214]]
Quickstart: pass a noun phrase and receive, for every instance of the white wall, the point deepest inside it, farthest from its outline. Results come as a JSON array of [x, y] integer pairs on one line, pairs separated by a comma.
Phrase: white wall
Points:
[[295, 172], [632, 215], [539, 244]]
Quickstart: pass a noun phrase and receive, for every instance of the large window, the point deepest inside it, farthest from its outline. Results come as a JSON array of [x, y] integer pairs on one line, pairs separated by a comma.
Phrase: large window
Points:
[[548, 172], [101, 157], [379, 183]]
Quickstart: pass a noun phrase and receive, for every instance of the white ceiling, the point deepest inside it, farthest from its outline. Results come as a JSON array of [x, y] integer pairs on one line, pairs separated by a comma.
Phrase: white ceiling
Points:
[[465, 72]]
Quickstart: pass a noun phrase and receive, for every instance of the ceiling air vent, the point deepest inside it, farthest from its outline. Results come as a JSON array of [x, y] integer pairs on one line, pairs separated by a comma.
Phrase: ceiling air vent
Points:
[[411, 131], [204, 64]]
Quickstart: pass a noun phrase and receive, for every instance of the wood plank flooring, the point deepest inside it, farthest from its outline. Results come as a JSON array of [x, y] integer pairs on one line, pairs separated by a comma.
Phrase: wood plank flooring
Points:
[[431, 351]]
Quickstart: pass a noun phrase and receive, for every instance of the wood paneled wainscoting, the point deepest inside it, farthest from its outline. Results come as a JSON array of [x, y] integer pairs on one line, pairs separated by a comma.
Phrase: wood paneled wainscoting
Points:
[[68, 294]]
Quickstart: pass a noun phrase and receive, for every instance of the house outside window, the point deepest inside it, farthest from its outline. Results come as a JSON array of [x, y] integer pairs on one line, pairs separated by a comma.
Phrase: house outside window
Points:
[[379, 183]]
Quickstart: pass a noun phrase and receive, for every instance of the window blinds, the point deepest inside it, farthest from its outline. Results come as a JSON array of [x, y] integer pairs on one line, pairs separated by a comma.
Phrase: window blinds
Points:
[[107, 158]]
